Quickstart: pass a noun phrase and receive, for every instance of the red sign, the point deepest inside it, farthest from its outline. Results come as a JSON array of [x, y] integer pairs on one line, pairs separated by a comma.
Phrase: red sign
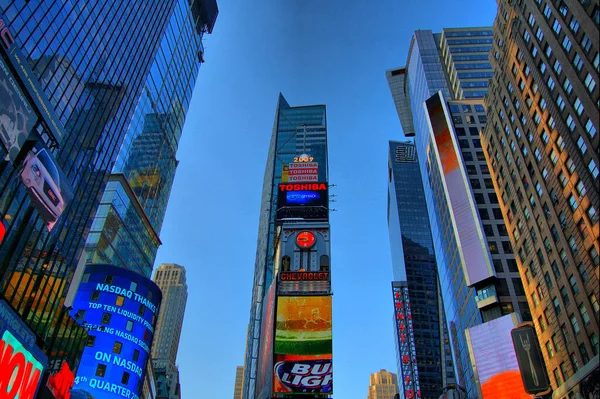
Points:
[[61, 383], [307, 186], [15, 369], [304, 276], [2, 231], [5, 35]]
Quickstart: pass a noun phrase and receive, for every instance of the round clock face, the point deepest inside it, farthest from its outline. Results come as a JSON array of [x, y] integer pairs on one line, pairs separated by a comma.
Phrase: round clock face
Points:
[[305, 239]]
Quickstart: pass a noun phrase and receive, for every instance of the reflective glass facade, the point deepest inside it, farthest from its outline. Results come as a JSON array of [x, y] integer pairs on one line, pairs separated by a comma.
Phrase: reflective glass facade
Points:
[[297, 131], [80, 56], [414, 267]]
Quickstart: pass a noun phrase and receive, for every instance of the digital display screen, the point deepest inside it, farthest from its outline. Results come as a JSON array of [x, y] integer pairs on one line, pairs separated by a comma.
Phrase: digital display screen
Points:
[[307, 201], [303, 345], [119, 308], [22, 363], [495, 358]]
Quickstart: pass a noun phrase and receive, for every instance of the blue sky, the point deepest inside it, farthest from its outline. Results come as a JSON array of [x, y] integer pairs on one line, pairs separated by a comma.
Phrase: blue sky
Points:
[[329, 52]]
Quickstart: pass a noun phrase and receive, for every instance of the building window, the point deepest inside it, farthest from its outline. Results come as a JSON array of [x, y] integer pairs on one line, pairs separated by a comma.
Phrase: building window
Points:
[[573, 284], [570, 165], [556, 304], [574, 362], [117, 347], [564, 371], [542, 323], [584, 355], [566, 43], [125, 378], [136, 355], [539, 34], [91, 340], [549, 349], [574, 324], [560, 102], [586, 43], [571, 123], [584, 313], [100, 370], [594, 342], [573, 202], [590, 83], [574, 25], [578, 62], [557, 377], [106, 318], [133, 286], [95, 295], [568, 86], [129, 325], [589, 127], [593, 168], [565, 333], [563, 179], [120, 300], [592, 214], [557, 67], [547, 11], [565, 295]]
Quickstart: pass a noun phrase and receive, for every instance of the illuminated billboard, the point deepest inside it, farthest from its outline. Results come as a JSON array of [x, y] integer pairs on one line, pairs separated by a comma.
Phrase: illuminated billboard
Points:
[[17, 116], [475, 256], [409, 378], [302, 201], [45, 183], [119, 308], [264, 376], [494, 359], [22, 363], [303, 345]]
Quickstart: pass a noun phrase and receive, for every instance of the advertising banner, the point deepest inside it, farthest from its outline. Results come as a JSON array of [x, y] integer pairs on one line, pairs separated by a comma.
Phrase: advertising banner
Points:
[[530, 359], [119, 308], [307, 201], [264, 376], [409, 380], [476, 259], [303, 345], [493, 354], [17, 117], [29, 81], [22, 363], [46, 184], [303, 172]]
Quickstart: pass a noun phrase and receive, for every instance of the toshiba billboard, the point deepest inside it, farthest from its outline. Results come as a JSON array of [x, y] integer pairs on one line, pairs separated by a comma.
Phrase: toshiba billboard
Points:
[[22, 363]]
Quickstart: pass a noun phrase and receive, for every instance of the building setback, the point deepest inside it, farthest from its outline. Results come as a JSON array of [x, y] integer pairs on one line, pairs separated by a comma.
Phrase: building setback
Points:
[[542, 144], [383, 385], [239, 382]]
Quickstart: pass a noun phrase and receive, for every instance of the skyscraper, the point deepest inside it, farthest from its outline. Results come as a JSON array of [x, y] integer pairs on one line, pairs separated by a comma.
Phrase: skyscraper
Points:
[[171, 279], [239, 382], [542, 144], [297, 131], [437, 96], [383, 385], [415, 280]]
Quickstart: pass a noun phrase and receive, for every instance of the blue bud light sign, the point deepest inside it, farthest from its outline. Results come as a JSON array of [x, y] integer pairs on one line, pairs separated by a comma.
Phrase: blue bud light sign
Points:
[[119, 308]]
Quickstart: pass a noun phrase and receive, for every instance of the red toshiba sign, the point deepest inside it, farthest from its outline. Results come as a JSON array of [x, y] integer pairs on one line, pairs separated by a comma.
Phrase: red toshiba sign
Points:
[[61, 383], [305, 186], [304, 276]]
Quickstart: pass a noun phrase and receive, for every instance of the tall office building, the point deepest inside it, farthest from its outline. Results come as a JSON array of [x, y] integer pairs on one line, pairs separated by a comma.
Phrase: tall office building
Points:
[[438, 99], [383, 385], [424, 360], [127, 225], [297, 131], [239, 382], [171, 279], [542, 144]]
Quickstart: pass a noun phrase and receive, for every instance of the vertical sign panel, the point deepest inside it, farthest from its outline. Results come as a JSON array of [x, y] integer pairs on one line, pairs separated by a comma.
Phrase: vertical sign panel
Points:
[[530, 359], [406, 342]]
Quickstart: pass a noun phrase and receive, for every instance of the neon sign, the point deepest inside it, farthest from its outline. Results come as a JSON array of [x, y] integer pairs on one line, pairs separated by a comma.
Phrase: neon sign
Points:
[[406, 341], [304, 276]]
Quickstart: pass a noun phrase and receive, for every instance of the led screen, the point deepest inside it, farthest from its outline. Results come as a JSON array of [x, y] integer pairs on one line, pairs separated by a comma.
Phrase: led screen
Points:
[[476, 258], [308, 201], [21, 361], [17, 117], [303, 345], [45, 183], [264, 377], [119, 308], [495, 360]]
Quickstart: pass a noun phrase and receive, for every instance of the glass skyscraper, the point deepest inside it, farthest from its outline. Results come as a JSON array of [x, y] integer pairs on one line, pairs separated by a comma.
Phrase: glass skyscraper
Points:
[[296, 131], [475, 263], [413, 264], [74, 96]]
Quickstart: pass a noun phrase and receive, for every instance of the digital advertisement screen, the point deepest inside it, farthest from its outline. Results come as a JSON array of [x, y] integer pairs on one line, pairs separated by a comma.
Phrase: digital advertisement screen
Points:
[[119, 307], [477, 262], [309, 201], [46, 184], [303, 345], [264, 377], [17, 116], [22, 363], [495, 360]]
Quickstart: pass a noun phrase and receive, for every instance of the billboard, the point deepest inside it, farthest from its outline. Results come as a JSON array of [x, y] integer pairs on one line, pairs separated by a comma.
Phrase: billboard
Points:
[[17, 116], [303, 345], [303, 172], [409, 379], [494, 359], [45, 183], [530, 359], [475, 256], [264, 376], [304, 201], [119, 308], [22, 363]]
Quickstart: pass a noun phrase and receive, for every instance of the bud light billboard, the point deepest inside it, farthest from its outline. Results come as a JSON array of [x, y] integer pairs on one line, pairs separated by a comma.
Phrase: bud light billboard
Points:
[[119, 308], [303, 201], [303, 346], [22, 363]]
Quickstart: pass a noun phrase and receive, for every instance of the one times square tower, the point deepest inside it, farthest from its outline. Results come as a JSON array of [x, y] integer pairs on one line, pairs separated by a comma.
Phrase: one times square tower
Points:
[[289, 348]]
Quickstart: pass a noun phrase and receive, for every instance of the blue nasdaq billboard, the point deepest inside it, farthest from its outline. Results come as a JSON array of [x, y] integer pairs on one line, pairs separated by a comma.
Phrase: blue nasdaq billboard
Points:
[[119, 308]]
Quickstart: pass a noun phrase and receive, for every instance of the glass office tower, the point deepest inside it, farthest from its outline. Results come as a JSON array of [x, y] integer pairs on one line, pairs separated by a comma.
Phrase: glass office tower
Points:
[[413, 264], [297, 130], [476, 270], [72, 93], [542, 144]]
